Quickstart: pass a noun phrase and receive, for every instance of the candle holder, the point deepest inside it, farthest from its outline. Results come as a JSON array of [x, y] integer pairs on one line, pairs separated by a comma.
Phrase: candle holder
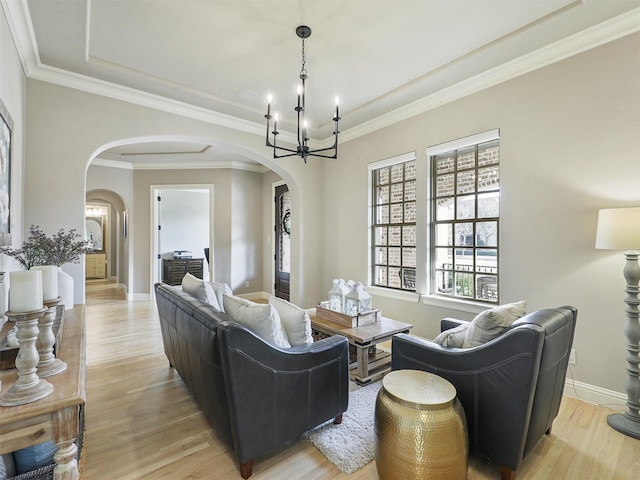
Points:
[[48, 365], [28, 387]]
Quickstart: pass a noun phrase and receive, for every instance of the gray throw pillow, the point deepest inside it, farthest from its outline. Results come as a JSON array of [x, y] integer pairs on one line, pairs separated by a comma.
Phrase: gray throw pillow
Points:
[[201, 290], [492, 323], [454, 337], [261, 318]]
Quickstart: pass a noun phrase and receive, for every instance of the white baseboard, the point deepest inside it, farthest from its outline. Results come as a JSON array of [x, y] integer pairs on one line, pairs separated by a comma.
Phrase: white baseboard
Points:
[[255, 295], [595, 395], [139, 297]]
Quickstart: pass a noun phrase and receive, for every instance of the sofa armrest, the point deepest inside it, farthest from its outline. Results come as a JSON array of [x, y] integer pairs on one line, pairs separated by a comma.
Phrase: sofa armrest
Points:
[[276, 394]]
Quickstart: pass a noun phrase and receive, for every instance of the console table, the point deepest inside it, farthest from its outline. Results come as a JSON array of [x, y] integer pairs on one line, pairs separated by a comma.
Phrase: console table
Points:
[[368, 367], [57, 416], [174, 269]]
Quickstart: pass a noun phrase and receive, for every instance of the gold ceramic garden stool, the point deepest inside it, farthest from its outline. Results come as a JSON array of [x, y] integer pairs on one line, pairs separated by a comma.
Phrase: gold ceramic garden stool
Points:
[[420, 428]]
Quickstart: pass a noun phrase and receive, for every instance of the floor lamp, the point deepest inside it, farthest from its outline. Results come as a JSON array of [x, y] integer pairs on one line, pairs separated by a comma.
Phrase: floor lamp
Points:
[[619, 229]]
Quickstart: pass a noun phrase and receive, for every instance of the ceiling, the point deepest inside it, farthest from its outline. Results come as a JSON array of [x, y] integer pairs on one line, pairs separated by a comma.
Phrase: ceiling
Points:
[[217, 60]]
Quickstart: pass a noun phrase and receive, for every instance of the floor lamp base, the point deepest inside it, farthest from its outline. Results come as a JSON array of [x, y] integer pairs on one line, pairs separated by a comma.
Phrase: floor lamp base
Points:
[[624, 424]]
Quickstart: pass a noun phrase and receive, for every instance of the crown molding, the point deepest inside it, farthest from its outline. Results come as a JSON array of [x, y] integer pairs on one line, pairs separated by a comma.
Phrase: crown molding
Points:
[[17, 13], [102, 162], [580, 42]]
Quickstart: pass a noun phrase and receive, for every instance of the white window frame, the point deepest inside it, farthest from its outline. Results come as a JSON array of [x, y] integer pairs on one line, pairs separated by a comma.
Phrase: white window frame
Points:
[[423, 225], [430, 298], [388, 291]]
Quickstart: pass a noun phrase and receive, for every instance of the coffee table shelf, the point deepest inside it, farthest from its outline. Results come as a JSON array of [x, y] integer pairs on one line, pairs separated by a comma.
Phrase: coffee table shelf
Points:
[[368, 367]]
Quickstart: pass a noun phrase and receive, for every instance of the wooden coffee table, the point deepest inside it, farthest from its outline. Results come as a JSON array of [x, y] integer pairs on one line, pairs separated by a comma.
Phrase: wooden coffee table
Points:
[[368, 367]]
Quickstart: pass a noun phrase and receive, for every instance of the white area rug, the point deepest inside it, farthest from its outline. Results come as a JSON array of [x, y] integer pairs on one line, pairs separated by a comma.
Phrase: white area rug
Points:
[[350, 445]]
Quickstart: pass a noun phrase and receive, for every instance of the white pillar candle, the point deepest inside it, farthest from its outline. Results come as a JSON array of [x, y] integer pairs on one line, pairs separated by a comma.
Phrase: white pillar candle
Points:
[[25, 291], [49, 281]]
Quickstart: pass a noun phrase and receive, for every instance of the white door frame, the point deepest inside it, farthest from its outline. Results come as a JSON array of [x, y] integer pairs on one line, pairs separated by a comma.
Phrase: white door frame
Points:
[[155, 270]]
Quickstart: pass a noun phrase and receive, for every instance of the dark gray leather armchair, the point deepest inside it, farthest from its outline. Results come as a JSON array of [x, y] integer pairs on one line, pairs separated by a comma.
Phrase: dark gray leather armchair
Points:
[[275, 395], [510, 387]]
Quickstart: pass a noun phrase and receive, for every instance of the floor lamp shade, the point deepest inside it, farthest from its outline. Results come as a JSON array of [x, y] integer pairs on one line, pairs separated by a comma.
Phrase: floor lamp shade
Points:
[[618, 229]]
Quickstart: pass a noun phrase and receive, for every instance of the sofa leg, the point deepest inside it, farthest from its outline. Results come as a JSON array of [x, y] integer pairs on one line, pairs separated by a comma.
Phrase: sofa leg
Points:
[[246, 469], [338, 420], [507, 473], [548, 432]]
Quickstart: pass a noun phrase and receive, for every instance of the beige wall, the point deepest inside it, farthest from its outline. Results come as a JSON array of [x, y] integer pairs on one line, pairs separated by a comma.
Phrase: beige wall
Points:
[[13, 94], [570, 143]]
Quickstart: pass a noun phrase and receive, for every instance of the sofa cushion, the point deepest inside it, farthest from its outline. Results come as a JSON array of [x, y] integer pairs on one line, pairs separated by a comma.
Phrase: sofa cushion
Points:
[[295, 321], [261, 318], [453, 337], [201, 290], [221, 289], [492, 323]]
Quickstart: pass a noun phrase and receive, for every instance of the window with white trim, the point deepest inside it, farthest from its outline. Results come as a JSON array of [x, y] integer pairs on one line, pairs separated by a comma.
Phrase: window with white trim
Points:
[[465, 218], [393, 222]]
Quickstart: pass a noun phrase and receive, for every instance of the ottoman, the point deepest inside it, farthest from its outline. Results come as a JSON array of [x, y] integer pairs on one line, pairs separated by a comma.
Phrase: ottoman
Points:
[[420, 428]]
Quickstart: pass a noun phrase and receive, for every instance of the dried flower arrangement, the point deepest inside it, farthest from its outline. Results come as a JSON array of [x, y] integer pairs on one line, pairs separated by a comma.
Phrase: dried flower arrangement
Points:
[[39, 249]]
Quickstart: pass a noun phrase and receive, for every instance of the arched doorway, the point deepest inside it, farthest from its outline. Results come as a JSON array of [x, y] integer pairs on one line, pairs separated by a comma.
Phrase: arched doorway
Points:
[[106, 228]]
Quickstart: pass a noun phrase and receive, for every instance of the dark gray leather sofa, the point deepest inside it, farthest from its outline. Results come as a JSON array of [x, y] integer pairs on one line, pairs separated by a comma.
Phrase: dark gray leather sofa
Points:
[[510, 388], [255, 395]]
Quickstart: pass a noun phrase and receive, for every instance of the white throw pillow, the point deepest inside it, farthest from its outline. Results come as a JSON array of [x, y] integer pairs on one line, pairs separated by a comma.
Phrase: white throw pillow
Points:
[[201, 290], [492, 323], [295, 320], [221, 290], [454, 337], [261, 318]]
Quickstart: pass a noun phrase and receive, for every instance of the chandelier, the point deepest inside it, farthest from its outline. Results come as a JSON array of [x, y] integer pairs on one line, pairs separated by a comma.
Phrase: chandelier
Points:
[[302, 150]]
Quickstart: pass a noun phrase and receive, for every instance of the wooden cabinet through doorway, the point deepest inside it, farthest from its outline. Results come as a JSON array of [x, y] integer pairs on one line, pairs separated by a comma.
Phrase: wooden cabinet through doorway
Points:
[[174, 269], [95, 265]]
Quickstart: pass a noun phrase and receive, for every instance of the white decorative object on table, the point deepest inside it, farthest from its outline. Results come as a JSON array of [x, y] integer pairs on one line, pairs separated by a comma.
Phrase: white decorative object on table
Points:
[[357, 300], [12, 340], [25, 291], [25, 299], [59, 249], [337, 295], [48, 364], [49, 281], [65, 288]]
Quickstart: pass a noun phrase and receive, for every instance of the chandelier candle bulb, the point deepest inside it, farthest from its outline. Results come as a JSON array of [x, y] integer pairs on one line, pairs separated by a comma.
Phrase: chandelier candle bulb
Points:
[[49, 281]]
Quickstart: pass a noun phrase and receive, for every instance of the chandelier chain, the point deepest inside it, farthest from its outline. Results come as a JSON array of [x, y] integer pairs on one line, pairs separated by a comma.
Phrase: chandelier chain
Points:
[[303, 70]]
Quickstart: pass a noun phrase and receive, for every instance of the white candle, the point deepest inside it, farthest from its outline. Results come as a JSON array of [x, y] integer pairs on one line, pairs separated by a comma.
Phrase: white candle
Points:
[[49, 281], [25, 291]]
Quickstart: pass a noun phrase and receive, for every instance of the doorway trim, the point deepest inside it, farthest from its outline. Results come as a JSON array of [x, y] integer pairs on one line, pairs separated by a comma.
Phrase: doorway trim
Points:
[[272, 267], [155, 271]]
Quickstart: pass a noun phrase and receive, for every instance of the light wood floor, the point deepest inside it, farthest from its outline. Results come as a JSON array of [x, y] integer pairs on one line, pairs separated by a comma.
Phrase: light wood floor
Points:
[[141, 422]]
